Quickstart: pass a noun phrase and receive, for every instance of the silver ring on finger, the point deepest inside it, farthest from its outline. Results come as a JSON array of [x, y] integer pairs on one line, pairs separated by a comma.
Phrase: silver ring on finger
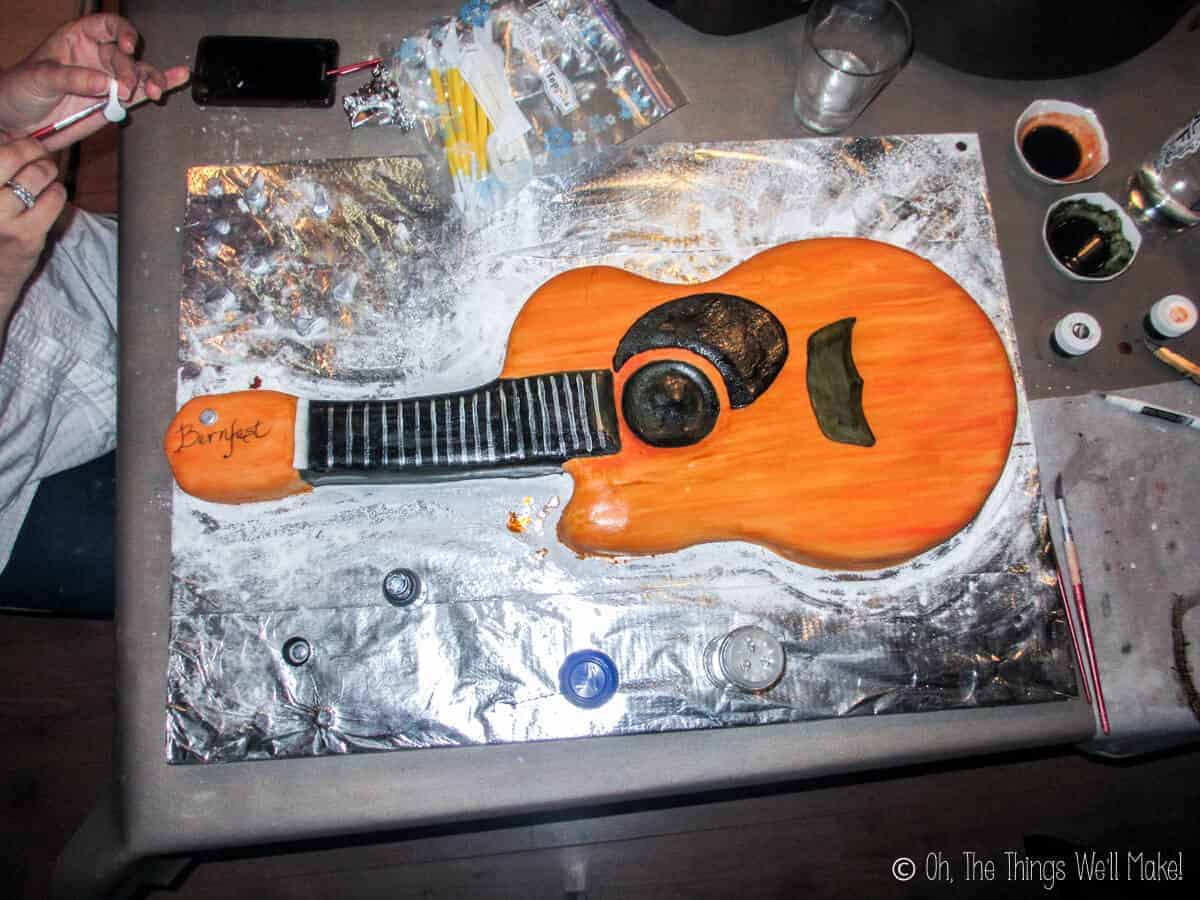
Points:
[[23, 193]]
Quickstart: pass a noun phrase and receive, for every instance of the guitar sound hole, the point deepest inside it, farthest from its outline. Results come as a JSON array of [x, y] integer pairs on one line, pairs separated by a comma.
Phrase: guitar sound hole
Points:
[[670, 404]]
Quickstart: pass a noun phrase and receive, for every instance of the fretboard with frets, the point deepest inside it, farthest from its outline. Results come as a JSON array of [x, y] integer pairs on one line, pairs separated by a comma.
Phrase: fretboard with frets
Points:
[[517, 424]]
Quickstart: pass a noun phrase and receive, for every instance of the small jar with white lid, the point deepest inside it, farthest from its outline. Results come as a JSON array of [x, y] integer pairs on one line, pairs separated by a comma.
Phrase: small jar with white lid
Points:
[[1075, 334], [1171, 317]]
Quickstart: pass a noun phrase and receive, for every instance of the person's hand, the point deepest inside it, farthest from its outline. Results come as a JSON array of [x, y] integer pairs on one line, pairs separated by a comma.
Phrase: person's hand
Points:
[[23, 231], [71, 70]]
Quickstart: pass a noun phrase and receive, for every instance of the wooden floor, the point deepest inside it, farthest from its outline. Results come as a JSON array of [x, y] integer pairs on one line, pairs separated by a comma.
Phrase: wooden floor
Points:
[[827, 839]]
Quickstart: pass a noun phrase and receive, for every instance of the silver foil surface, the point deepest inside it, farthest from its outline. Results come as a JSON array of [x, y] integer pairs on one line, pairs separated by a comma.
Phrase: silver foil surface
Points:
[[346, 279]]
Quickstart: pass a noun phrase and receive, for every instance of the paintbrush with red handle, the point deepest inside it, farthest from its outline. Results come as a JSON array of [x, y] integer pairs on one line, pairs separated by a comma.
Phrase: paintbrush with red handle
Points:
[[1080, 601], [1083, 673], [61, 124]]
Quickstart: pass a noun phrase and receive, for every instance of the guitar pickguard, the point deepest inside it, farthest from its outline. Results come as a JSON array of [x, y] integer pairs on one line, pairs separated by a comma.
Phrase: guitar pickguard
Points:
[[744, 340], [835, 389]]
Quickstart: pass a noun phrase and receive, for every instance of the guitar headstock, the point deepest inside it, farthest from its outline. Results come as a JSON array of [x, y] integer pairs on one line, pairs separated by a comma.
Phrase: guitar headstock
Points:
[[235, 448]]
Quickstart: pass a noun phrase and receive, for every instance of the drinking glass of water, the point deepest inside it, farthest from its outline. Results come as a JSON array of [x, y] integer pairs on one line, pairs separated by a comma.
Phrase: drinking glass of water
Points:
[[851, 50], [1165, 190]]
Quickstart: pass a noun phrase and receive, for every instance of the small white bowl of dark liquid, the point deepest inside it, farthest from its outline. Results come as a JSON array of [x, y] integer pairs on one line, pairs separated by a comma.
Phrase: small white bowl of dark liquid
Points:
[[1059, 142], [1089, 237]]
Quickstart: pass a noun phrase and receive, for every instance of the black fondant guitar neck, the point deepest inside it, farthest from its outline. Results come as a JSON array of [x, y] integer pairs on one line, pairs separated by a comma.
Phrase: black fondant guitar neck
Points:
[[514, 426]]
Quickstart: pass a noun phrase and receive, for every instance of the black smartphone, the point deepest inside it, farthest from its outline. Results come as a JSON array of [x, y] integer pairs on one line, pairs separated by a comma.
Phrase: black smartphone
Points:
[[234, 70]]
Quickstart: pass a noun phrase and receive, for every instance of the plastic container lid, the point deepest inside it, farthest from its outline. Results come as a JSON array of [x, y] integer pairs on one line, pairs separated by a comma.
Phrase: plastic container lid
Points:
[[751, 659], [588, 678], [1173, 315], [1076, 333]]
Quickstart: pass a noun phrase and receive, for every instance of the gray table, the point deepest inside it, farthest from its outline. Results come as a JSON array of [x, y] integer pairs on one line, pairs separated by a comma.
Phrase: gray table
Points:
[[740, 88], [1131, 494]]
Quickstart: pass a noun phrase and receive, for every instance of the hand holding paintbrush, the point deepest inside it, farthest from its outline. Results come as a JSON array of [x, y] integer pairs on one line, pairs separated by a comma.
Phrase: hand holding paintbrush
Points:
[[52, 94]]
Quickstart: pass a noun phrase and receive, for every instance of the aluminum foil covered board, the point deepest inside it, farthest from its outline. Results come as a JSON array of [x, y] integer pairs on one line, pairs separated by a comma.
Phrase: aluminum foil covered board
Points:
[[347, 279]]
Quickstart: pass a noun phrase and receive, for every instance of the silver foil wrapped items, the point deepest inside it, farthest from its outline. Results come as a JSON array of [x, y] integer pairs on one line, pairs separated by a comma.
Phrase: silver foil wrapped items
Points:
[[379, 102]]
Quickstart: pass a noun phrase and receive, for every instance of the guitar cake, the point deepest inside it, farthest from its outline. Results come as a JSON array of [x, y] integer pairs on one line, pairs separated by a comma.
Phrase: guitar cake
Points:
[[839, 401]]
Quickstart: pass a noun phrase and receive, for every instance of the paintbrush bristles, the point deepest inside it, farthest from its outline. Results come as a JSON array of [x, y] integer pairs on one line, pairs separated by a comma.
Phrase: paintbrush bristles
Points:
[[1058, 490]]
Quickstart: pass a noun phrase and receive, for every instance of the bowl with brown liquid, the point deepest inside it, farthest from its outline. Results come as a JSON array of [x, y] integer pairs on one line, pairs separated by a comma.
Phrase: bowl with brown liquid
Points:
[[1089, 237], [1060, 142]]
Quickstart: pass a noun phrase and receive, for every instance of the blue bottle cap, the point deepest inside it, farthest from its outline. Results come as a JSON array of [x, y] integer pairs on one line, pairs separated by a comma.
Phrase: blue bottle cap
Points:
[[588, 678]]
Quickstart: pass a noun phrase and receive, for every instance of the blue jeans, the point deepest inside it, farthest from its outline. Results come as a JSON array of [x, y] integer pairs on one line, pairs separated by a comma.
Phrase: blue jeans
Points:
[[62, 561]]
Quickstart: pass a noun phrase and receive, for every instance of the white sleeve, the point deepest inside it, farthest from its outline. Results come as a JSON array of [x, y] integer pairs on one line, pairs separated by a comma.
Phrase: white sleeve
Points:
[[58, 367]]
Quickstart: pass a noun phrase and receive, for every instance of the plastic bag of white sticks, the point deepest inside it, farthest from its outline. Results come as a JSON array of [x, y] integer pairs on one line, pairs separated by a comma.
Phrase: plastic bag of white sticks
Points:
[[510, 90]]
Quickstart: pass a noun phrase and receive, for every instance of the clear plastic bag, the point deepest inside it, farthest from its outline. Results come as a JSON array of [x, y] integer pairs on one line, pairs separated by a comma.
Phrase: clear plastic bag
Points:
[[511, 90]]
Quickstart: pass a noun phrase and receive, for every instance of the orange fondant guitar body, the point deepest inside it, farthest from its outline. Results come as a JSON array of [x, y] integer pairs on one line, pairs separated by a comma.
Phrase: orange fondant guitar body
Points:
[[842, 402]]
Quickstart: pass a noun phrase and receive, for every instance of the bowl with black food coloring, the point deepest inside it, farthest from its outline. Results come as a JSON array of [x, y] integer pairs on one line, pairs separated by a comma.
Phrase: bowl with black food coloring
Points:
[[1089, 237], [1059, 142]]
